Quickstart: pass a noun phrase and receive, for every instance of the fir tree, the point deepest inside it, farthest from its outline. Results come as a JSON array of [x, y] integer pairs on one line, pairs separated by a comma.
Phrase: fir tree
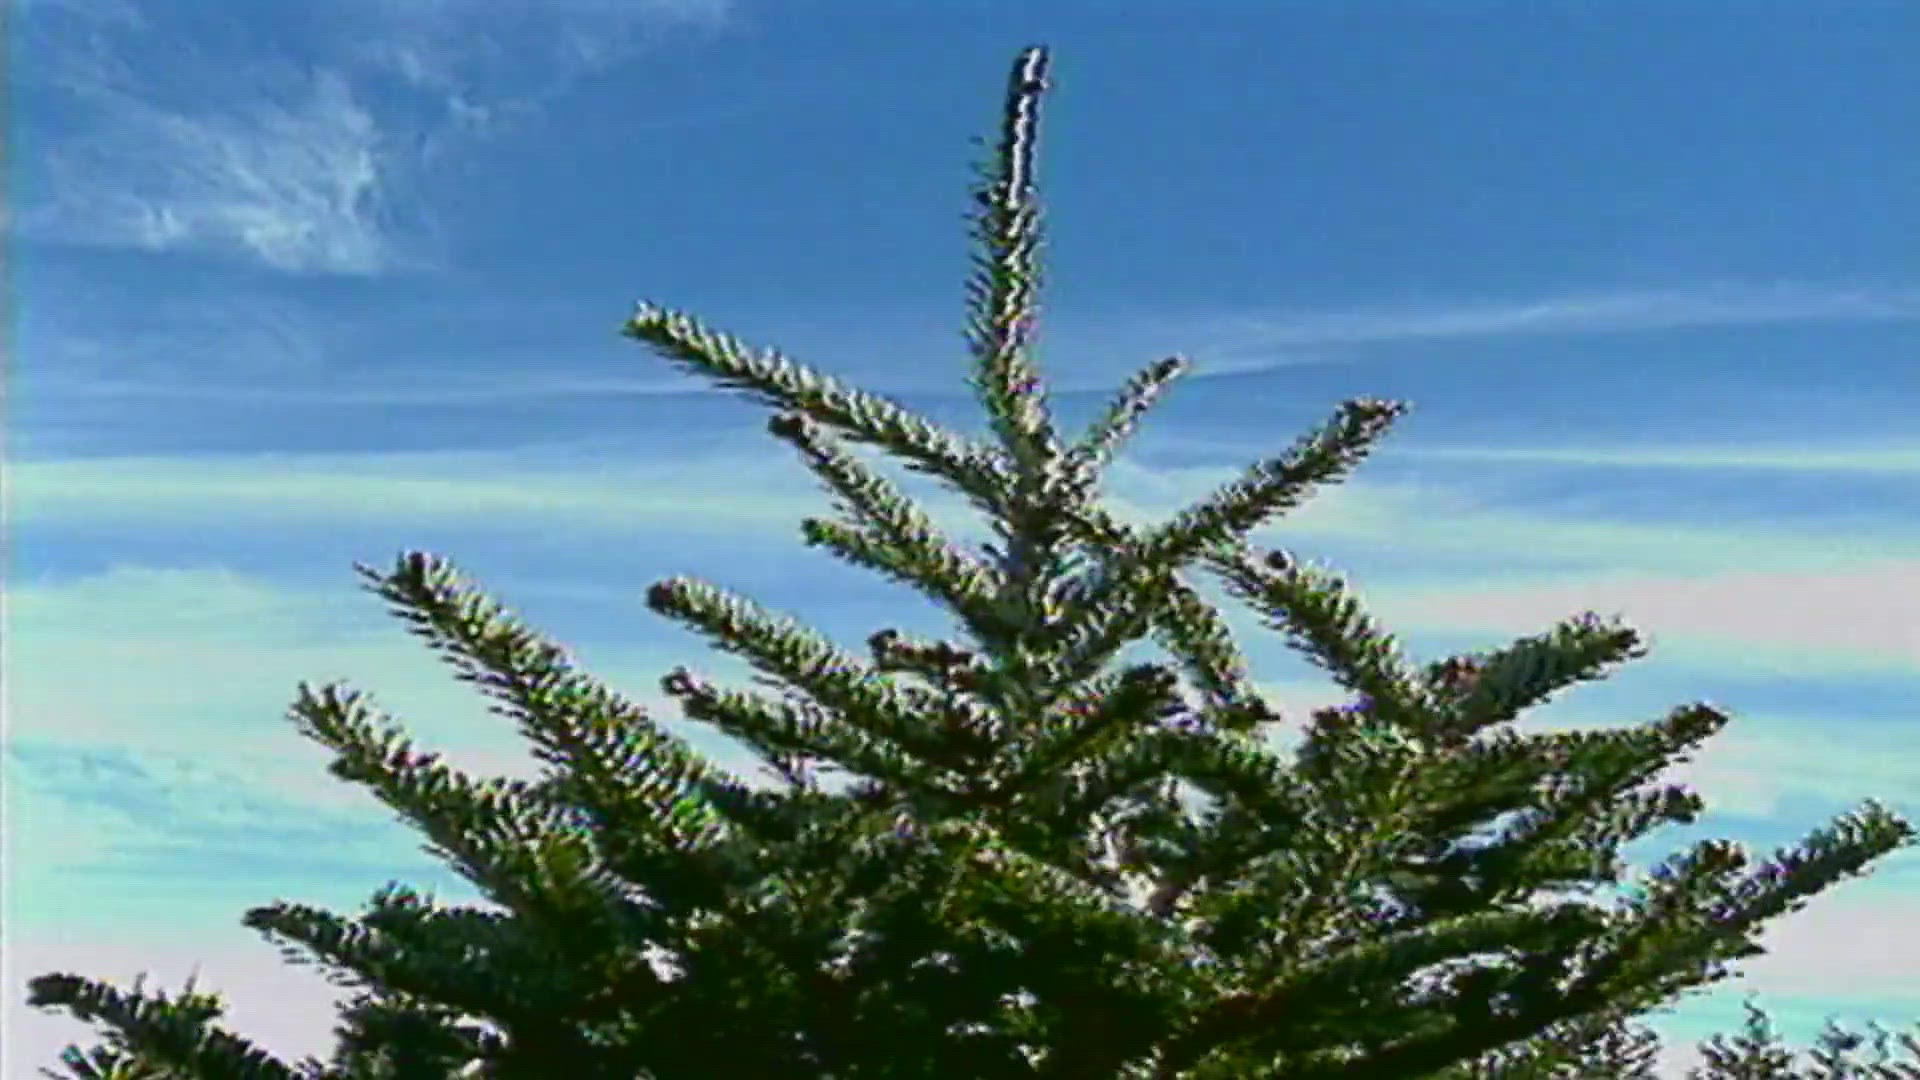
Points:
[[1620, 1049], [1757, 1054], [1017, 883]]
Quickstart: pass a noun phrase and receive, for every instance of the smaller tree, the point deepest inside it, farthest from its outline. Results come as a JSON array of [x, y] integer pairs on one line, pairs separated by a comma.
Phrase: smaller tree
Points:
[[1758, 1054], [1617, 1047]]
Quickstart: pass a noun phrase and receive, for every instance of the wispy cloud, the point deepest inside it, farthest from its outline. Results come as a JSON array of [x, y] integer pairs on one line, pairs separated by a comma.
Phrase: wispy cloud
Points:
[[1221, 345], [299, 163], [82, 342], [1871, 459], [1880, 457], [1865, 611], [1793, 598], [426, 392], [495, 65], [1619, 312], [297, 183]]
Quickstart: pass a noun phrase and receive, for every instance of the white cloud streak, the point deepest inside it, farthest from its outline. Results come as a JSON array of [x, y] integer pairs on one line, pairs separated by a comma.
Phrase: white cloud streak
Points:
[[1221, 345], [433, 393], [1720, 305], [1760, 619], [1867, 459], [770, 491]]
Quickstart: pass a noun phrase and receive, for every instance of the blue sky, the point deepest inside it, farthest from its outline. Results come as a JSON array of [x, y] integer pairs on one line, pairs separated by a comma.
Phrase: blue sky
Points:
[[300, 285]]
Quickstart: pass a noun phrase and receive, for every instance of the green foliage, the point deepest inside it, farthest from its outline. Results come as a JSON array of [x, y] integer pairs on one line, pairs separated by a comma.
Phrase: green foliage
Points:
[[1615, 1048], [1757, 1054], [161, 1021], [1017, 882]]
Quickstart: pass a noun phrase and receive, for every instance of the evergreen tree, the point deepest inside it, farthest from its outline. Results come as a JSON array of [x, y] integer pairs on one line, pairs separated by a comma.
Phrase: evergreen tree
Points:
[[1619, 1049], [1757, 1054], [1042, 867]]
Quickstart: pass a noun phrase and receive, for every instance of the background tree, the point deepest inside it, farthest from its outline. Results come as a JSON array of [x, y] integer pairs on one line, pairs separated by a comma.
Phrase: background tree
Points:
[[1757, 1054], [1619, 1049], [1591, 1050], [1042, 867]]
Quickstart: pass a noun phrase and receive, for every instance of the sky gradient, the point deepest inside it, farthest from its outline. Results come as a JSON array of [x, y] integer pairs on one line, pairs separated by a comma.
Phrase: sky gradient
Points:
[[302, 285]]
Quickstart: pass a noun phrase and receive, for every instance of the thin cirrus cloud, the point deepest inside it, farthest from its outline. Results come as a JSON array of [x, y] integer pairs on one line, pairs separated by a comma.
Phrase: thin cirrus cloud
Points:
[[474, 57], [1642, 310], [299, 184], [1880, 458], [304, 176], [429, 392], [490, 489], [1756, 616], [1220, 346]]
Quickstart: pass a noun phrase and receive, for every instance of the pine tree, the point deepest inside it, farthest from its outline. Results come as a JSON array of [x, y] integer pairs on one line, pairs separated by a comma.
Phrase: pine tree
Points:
[[1757, 1054], [1042, 867], [1619, 1049]]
